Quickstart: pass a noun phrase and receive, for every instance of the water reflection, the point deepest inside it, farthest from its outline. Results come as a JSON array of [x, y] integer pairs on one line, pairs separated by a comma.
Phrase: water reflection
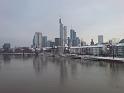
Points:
[[114, 75], [0, 64], [114, 67], [102, 64], [73, 66], [39, 63], [21, 57], [6, 59], [66, 66], [61, 73], [87, 63], [62, 64]]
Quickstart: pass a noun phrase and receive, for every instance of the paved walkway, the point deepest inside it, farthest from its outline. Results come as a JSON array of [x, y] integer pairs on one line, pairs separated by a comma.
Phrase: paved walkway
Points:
[[108, 58], [90, 57]]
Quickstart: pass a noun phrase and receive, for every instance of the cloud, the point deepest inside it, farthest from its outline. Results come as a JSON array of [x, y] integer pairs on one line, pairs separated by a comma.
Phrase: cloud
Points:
[[21, 18]]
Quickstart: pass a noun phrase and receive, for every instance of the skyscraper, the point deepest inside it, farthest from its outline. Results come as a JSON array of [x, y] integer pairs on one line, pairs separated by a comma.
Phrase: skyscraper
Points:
[[77, 41], [100, 39], [37, 40], [73, 37], [65, 35], [61, 28], [44, 41]]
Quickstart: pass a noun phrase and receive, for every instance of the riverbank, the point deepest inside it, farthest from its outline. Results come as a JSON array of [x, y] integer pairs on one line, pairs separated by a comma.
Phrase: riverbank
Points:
[[115, 59], [74, 56], [99, 58]]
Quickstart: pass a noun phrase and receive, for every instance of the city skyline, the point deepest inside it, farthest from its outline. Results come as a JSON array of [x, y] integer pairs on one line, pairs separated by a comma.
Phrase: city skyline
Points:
[[89, 18]]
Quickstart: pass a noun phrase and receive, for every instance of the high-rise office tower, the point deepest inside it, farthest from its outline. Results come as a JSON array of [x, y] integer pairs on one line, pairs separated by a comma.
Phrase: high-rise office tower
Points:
[[61, 28], [100, 39], [65, 35], [37, 40], [77, 41], [44, 41], [73, 37]]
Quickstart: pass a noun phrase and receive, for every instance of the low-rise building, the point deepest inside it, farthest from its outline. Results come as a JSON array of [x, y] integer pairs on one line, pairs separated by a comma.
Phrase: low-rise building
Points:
[[89, 50], [117, 50], [57, 41]]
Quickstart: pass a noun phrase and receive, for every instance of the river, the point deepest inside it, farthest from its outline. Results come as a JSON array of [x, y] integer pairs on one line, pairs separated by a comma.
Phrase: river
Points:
[[43, 74]]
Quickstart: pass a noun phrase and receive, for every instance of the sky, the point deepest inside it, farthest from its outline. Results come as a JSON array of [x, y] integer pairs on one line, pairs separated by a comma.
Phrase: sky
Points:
[[20, 19]]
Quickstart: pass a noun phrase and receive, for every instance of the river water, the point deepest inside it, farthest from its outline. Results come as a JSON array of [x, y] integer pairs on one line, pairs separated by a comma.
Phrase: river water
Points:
[[59, 75]]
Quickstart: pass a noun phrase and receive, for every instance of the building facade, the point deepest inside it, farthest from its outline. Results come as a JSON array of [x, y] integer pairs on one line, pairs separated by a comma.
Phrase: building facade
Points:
[[96, 50], [44, 41], [50, 44], [100, 39], [120, 50], [78, 41], [63, 33], [73, 37], [37, 40], [6, 46], [57, 42], [61, 28]]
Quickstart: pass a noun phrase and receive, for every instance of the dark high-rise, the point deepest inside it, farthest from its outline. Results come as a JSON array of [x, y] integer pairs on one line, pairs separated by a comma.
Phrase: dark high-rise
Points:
[[65, 35], [44, 41], [57, 42], [77, 41], [73, 37]]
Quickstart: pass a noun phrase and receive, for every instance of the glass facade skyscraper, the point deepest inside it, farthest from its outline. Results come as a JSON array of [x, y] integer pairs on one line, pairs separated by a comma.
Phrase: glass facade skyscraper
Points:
[[37, 40], [44, 41]]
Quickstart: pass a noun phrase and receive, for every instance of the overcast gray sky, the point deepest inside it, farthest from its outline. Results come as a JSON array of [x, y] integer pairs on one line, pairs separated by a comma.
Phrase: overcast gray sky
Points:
[[20, 19]]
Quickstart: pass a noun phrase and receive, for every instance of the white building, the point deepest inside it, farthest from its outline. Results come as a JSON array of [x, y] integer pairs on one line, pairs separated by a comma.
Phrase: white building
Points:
[[100, 39], [37, 40], [89, 50]]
